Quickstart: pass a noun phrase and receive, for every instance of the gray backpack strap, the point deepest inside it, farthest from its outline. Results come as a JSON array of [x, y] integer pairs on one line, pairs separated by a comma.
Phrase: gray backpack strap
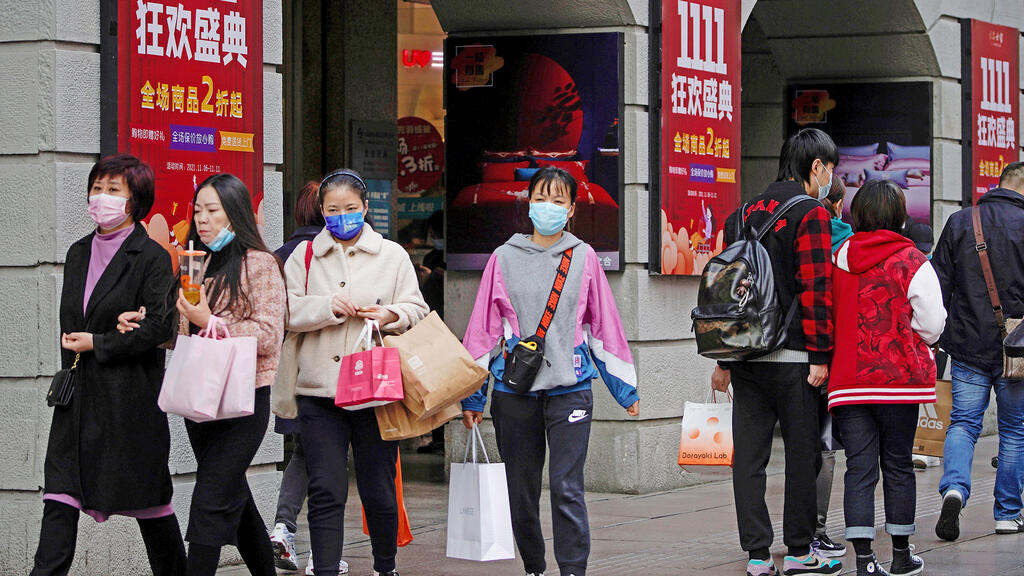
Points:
[[782, 210]]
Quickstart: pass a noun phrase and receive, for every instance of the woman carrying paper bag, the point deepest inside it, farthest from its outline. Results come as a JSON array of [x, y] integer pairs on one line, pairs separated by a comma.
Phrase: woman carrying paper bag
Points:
[[353, 275], [546, 298]]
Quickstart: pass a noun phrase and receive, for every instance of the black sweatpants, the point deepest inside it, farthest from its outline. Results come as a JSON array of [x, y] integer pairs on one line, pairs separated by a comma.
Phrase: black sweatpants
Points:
[[525, 426], [223, 510], [766, 393], [326, 433], [58, 537]]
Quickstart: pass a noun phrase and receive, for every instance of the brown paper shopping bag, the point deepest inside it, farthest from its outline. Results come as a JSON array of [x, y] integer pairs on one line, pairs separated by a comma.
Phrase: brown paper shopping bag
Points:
[[437, 371], [933, 421], [396, 422]]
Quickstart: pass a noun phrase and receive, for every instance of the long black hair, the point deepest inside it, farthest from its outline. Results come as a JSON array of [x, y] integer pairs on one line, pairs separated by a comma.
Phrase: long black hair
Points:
[[225, 267]]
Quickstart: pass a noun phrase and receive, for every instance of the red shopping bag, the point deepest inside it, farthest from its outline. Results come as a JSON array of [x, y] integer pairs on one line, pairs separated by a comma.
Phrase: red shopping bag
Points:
[[372, 377], [404, 530]]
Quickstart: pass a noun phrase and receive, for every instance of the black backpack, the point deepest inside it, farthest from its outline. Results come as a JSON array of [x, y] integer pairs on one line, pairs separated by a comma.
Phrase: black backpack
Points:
[[738, 316]]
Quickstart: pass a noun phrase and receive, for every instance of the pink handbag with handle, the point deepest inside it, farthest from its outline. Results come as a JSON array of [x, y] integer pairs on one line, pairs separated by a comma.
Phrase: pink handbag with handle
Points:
[[209, 377], [372, 377]]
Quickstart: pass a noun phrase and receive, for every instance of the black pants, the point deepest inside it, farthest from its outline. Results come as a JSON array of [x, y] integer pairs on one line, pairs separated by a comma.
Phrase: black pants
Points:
[[525, 426], [766, 393], [878, 434], [326, 433], [59, 535], [223, 510]]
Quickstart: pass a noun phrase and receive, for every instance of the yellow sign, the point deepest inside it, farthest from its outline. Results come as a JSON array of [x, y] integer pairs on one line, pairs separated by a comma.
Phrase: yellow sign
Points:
[[236, 141]]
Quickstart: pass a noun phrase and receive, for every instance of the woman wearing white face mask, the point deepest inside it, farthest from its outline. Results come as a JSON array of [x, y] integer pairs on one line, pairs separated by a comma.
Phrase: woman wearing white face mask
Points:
[[108, 447], [244, 288], [580, 336]]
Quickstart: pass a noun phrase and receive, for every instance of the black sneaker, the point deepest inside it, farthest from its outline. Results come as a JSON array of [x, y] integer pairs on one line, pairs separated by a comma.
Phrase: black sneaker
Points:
[[827, 548], [995, 461], [905, 563], [948, 526], [392, 573], [869, 566]]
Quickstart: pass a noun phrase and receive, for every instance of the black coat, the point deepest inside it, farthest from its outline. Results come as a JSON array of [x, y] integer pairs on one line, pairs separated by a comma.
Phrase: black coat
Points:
[[109, 447], [971, 335]]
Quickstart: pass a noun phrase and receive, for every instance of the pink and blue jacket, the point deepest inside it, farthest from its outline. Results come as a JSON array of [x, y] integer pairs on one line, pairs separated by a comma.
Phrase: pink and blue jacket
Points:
[[585, 339]]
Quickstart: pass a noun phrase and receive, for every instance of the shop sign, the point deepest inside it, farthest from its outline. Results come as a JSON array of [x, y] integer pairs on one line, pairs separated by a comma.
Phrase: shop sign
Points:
[[190, 99], [373, 149], [420, 155], [991, 104], [699, 137]]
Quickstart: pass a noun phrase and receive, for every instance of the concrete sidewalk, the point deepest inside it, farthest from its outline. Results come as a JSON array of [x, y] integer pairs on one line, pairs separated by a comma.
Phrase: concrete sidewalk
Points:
[[693, 530]]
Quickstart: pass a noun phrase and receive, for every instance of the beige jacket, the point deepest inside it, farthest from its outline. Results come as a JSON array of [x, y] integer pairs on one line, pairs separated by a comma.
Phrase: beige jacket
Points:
[[374, 268]]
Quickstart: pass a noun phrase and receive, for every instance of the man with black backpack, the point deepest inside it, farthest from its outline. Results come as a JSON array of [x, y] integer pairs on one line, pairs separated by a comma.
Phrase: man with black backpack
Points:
[[782, 385]]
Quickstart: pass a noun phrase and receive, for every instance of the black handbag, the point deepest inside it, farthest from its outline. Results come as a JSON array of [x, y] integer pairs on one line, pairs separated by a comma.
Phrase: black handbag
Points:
[[524, 360], [63, 385]]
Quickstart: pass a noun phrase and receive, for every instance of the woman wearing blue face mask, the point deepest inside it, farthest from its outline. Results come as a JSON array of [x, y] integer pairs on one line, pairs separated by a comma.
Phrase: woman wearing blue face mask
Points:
[[347, 274], [580, 336], [243, 287]]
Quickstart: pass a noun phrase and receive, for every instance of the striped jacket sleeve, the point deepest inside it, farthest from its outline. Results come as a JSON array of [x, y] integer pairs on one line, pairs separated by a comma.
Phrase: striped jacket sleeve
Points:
[[492, 312], [608, 345]]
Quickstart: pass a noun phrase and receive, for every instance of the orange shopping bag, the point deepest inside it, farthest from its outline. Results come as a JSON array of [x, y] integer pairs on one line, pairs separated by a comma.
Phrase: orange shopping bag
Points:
[[404, 530], [707, 434]]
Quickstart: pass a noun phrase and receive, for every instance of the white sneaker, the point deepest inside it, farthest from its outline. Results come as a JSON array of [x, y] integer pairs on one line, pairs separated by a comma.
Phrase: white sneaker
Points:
[[283, 541], [342, 566], [1011, 526]]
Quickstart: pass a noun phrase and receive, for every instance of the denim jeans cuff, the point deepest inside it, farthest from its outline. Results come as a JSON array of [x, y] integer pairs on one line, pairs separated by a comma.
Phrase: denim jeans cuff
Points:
[[865, 532], [900, 529]]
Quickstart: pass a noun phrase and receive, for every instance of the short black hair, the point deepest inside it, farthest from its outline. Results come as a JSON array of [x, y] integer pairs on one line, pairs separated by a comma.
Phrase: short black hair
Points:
[[879, 205], [785, 163], [137, 175], [549, 175], [1012, 177], [805, 147]]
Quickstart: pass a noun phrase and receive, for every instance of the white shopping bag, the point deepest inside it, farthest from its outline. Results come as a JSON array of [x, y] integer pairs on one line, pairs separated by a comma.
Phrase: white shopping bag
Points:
[[479, 517], [707, 434]]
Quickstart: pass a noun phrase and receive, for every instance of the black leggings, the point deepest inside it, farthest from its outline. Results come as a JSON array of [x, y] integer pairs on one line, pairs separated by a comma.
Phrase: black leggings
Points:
[[222, 510], [59, 534], [253, 545]]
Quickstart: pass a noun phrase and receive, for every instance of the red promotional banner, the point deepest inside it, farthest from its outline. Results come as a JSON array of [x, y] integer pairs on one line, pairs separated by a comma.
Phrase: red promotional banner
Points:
[[420, 155], [190, 100], [700, 130], [993, 124]]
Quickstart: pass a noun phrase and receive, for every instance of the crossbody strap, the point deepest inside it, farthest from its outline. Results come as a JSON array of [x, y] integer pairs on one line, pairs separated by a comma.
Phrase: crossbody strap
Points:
[[556, 294], [309, 260], [986, 268]]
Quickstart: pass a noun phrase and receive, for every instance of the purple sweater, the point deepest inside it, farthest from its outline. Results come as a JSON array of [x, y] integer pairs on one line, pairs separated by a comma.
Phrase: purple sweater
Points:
[[104, 246]]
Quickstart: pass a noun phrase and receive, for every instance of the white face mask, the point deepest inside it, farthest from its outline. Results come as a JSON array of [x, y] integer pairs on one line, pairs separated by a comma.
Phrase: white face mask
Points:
[[823, 190]]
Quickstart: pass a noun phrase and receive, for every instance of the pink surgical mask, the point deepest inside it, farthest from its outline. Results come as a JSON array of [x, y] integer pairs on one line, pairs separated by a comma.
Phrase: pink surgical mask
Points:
[[107, 211]]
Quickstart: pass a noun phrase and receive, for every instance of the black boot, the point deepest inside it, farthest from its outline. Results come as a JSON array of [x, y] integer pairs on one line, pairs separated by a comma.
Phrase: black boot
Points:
[[905, 564], [869, 566]]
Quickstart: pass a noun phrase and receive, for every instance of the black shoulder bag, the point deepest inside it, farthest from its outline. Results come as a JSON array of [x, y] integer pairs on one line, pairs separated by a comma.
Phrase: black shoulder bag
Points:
[[63, 385], [523, 361]]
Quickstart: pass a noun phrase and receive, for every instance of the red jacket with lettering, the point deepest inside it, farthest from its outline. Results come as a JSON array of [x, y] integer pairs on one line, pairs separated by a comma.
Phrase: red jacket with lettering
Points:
[[888, 311]]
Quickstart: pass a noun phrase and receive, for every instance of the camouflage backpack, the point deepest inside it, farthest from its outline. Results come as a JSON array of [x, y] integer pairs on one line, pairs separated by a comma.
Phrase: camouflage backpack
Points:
[[738, 316]]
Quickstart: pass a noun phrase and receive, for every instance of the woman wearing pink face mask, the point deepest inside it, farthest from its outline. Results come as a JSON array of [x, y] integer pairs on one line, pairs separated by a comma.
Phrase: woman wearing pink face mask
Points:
[[108, 448]]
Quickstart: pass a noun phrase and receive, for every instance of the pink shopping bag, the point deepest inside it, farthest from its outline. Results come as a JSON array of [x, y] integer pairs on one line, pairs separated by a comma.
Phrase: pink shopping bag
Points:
[[196, 376], [372, 377], [210, 377], [239, 397]]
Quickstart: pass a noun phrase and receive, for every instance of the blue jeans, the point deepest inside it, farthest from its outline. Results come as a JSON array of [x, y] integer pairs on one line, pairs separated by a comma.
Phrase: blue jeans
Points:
[[971, 390]]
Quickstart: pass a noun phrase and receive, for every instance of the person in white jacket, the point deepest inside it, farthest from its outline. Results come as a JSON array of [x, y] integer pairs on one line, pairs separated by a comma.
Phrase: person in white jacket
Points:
[[353, 274]]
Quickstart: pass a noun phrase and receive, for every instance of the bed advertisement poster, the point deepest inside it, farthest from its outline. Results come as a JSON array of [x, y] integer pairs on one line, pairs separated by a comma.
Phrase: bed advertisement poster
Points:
[[696, 160], [883, 130], [516, 104], [991, 104], [189, 83]]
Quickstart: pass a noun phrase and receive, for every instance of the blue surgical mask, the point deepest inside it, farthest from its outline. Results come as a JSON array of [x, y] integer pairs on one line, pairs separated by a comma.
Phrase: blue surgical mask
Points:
[[223, 238], [345, 226], [823, 190], [549, 219]]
